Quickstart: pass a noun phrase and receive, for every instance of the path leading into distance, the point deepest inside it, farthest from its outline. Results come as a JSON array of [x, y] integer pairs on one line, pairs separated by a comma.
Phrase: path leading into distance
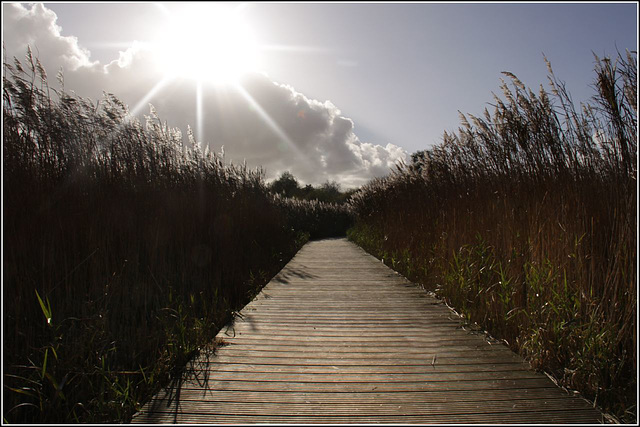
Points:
[[338, 337]]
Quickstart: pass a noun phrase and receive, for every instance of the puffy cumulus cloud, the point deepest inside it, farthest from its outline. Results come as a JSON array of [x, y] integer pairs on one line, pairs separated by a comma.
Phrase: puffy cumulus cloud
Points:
[[36, 26], [265, 123], [309, 138]]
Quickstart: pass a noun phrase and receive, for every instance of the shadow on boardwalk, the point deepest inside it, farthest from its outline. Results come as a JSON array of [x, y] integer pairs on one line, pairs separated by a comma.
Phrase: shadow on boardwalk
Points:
[[198, 370], [289, 274]]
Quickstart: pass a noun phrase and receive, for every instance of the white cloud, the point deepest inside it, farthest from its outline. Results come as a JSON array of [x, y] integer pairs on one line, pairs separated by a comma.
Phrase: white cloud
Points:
[[36, 26], [268, 124]]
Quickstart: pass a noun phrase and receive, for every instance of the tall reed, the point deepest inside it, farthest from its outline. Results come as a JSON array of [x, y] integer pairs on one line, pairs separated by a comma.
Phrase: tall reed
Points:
[[125, 250], [525, 220]]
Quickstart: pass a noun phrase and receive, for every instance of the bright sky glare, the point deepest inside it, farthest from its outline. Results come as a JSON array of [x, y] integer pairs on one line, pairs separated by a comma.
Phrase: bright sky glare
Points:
[[207, 42], [400, 72]]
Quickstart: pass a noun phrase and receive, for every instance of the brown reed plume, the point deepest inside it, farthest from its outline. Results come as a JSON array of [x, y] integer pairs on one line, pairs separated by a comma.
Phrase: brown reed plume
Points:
[[525, 221]]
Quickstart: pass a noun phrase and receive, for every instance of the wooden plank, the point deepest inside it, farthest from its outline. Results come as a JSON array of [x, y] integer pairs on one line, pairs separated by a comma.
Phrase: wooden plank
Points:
[[364, 334], [377, 408], [359, 369], [524, 417], [323, 341], [371, 378], [346, 330], [342, 316], [413, 350], [203, 382], [337, 337], [356, 353], [442, 358], [355, 398], [248, 317]]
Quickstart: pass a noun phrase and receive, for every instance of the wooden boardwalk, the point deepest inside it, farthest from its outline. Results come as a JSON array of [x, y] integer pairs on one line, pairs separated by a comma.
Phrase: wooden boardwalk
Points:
[[337, 337]]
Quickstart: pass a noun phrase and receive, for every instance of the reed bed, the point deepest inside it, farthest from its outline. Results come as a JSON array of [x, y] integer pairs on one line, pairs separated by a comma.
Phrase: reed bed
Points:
[[125, 249], [319, 219], [525, 221]]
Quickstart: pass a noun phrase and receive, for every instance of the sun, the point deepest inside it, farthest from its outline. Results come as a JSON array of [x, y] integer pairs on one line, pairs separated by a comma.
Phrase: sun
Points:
[[208, 43]]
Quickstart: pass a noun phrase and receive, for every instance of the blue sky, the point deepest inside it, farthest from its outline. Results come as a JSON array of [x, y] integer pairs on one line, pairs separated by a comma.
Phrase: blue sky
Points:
[[399, 72]]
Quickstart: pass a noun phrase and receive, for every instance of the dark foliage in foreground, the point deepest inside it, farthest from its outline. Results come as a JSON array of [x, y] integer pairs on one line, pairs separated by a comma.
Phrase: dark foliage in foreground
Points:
[[125, 250], [525, 221]]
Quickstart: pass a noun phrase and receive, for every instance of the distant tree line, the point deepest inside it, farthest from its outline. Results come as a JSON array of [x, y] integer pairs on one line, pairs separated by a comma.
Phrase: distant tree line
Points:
[[330, 192]]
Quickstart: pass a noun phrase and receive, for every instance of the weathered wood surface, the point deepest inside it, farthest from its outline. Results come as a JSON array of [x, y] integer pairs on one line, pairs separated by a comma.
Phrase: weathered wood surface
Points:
[[337, 337]]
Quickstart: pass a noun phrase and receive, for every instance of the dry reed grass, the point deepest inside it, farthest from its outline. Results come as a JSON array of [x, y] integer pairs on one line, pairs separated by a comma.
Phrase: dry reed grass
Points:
[[125, 249], [525, 220]]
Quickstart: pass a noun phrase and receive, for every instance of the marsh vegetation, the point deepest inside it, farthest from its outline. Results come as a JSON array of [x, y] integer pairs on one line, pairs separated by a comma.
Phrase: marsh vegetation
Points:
[[125, 249], [525, 221], [127, 245]]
